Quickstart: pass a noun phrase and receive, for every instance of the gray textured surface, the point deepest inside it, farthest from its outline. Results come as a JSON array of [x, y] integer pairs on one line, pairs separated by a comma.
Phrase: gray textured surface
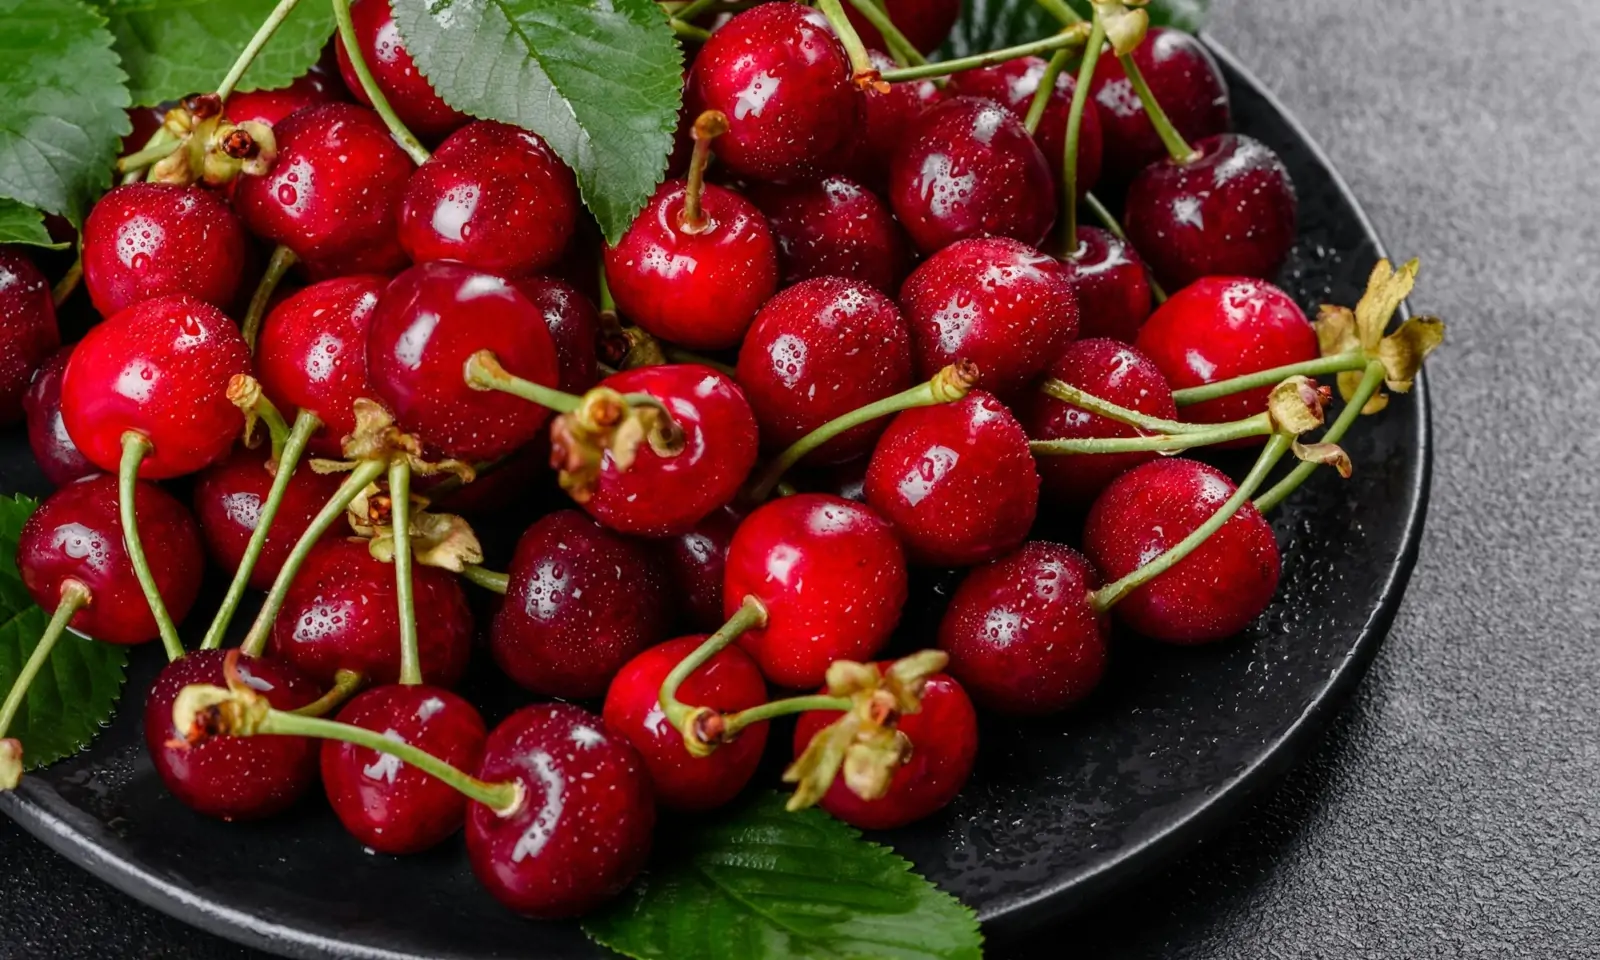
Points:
[[1451, 811]]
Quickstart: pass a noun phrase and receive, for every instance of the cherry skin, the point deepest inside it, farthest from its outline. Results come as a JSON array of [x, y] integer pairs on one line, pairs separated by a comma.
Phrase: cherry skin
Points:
[[695, 562], [1221, 328], [428, 323], [886, 119], [944, 744], [28, 330], [148, 240], [583, 830], [1186, 82], [1113, 288], [831, 576], [728, 682], [1231, 212], [76, 534], [403, 85], [1214, 592], [227, 501], [59, 458], [926, 23], [956, 481], [834, 228], [817, 351], [272, 106], [494, 197], [160, 368], [783, 80], [574, 325], [967, 168], [1012, 84], [341, 613], [994, 301], [1111, 371], [695, 286], [390, 806]]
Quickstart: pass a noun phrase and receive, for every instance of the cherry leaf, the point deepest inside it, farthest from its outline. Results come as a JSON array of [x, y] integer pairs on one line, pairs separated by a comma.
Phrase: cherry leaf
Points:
[[20, 223]]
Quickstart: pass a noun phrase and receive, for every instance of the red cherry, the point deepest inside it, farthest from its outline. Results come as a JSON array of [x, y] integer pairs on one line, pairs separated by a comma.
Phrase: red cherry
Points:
[[817, 351], [886, 119], [1113, 288], [967, 168], [1012, 84], [956, 480], [944, 743], [388, 805], [227, 500], [574, 325], [494, 197], [148, 240], [994, 301], [728, 682], [1212, 593], [341, 613], [583, 830], [403, 85], [28, 332], [831, 576], [333, 195], [1111, 371], [76, 534], [428, 323], [834, 228], [1232, 211], [926, 23], [1221, 328], [695, 562], [1186, 82], [272, 106], [59, 458], [160, 368]]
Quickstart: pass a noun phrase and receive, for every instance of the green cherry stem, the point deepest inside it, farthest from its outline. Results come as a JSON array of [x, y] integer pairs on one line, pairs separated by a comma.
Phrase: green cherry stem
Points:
[[1069, 160], [277, 267], [135, 447], [901, 49], [750, 614], [1066, 39], [1371, 380], [69, 281], [487, 579], [688, 31], [158, 149], [1338, 363], [1046, 89], [733, 723], [689, 11], [1060, 10], [74, 597], [345, 683], [1067, 393], [865, 73], [400, 520], [484, 372], [404, 137], [247, 56], [707, 127], [1177, 147], [1259, 425]]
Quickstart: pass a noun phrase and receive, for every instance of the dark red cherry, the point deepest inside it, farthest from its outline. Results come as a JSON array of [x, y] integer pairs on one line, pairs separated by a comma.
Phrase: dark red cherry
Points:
[[1212, 593], [148, 240], [494, 197], [944, 743], [1231, 212], [583, 830], [695, 286], [1022, 633], [28, 332], [1112, 286], [834, 228], [574, 325], [926, 23], [1186, 82], [580, 602], [388, 805], [1221, 328], [341, 613], [967, 168], [956, 481], [663, 496], [403, 85], [1111, 371], [428, 323], [1012, 84], [695, 562], [333, 195], [227, 501], [272, 106], [231, 778], [76, 534], [886, 119], [160, 368], [817, 351], [729, 682], [994, 301], [59, 458], [831, 576]]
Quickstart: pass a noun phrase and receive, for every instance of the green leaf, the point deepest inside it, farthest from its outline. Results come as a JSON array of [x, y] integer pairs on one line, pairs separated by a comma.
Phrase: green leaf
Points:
[[173, 48], [991, 24], [63, 104], [760, 883], [599, 80], [73, 696], [20, 223]]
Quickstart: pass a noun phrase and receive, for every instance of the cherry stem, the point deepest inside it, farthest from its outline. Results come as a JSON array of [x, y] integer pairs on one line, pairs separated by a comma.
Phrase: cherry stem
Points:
[[486, 578], [134, 173], [689, 31], [1066, 39], [305, 424], [1338, 363], [159, 149], [1259, 425], [74, 597], [947, 386], [1060, 10], [901, 49], [608, 303], [707, 127], [1371, 380], [69, 281], [1177, 147], [734, 723], [263, 34], [1069, 160], [751, 613], [277, 428], [1067, 393], [680, 355], [345, 683], [282, 259], [400, 519], [404, 137], [866, 75], [1107, 596], [484, 372], [689, 11], [1045, 90], [135, 447]]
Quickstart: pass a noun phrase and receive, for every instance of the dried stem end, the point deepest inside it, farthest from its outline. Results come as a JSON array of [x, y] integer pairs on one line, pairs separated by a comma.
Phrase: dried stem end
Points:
[[606, 422], [10, 764]]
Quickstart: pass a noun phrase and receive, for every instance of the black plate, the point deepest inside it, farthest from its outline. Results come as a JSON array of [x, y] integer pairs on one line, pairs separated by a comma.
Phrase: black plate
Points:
[[1058, 813]]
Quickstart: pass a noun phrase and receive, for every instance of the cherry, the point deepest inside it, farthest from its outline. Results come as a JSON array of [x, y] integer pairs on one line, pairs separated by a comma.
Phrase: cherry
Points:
[[1012, 84], [1186, 82], [994, 301], [1230, 211], [834, 228], [403, 85], [27, 329], [428, 323], [582, 831], [388, 805], [333, 195], [956, 480], [944, 743], [1111, 371], [494, 197], [76, 534], [784, 82], [831, 576], [1113, 289], [1212, 593], [728, 682], [695, 562], [341, 613], [59, 458], [227, 501], [817, 351], [272, 106], [148, 240], [886, 119], [160, 368], [1221, 328], [926, 23], [574, 325]]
